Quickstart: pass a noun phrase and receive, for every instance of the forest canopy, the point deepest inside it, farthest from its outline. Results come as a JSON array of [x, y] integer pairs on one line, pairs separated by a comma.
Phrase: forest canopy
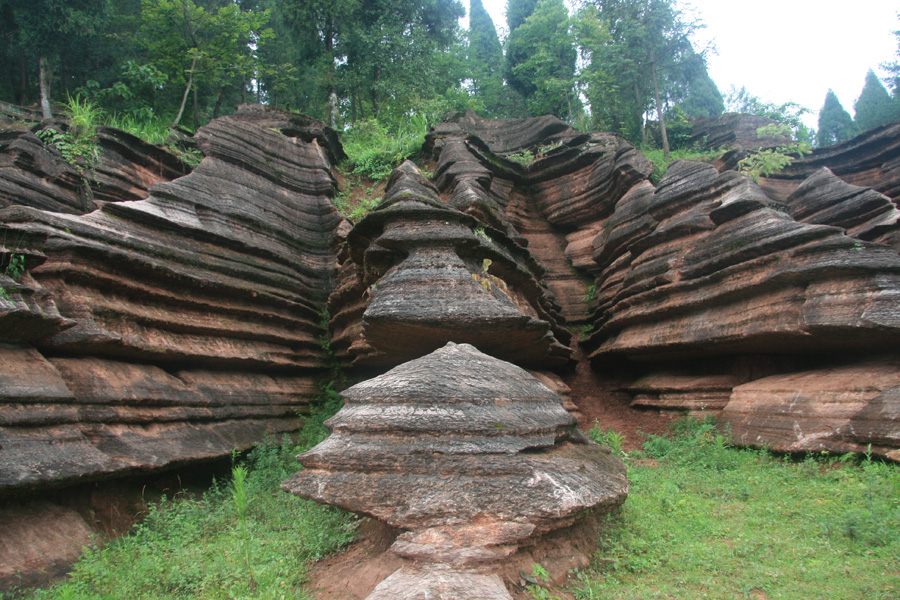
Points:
[[626, 66]]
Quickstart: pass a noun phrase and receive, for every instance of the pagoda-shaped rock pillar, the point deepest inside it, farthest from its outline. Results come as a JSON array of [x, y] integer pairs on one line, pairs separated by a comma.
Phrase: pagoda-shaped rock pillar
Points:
[[470, 456]]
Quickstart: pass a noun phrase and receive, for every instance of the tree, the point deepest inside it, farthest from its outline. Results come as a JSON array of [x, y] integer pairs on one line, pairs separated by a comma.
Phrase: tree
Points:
[[485, 58], [540, 61], [641, 66], [45, 30], [517, 11], [216, 46], [874, 106], [835, 124]]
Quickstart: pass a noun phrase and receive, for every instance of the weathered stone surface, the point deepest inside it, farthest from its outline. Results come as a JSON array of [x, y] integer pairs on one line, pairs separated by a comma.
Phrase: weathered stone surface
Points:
[[430, 274], [845, 408], [31, 174], [39, 540], [469, 453], [573, 182], [861, 212], [154, 332], [751, 279], [871, 159], [733, 130], [437, 583]]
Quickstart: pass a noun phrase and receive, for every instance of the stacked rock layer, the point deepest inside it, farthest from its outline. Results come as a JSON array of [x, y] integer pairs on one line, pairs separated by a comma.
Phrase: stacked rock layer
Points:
[[707, 283], [175, 328], [468, 454]]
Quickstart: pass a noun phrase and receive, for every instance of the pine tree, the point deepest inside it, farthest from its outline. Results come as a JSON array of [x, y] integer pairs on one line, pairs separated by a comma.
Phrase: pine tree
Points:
[[835, 124], [485, 59], [874, 106], [517, 11]]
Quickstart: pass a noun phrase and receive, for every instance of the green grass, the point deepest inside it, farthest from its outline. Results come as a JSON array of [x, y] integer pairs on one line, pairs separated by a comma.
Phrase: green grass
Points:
[[374, 150], [705, 520], [242, 539]]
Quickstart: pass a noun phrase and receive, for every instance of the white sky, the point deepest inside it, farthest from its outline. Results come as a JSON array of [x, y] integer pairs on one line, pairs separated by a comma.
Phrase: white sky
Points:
[[789, 50]]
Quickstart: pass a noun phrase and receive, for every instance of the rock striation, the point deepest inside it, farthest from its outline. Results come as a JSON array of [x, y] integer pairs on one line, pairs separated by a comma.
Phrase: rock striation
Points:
[[177, 328], [419, 273], [707, 282], [468, 454], [34, 174]]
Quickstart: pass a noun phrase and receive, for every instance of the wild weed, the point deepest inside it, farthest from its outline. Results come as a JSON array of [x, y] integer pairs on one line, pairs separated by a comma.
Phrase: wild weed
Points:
[[610, 438]]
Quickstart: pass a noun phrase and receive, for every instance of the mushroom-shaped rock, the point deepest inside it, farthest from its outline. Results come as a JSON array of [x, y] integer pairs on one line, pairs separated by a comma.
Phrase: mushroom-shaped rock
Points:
[[468, 453]]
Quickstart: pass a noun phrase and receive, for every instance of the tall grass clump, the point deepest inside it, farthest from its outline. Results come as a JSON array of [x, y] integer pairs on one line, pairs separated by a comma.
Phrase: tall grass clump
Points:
[[707, 520], [148, 127], [243, 538], [374, 150]]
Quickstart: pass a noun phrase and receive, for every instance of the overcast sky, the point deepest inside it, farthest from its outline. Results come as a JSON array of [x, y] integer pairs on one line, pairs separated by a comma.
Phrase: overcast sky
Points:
[[789, 50]]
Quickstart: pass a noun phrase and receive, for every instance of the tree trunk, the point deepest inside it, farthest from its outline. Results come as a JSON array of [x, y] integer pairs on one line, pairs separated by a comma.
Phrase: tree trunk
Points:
[[196, 110], [218, 105], [23, 80], [44, 73], [187, 90], [243, 89], [333, 106], [659, 107]]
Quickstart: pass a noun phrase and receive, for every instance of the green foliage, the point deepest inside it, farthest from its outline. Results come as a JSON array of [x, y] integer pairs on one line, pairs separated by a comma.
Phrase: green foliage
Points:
[[540, 61], [13, 268], [247, 540], [538, 584], [661, 162], [706, 520], [374, 150], [763, 163], [789, 113], [835, 124], [639, 60], [874, 106], [610, 438], [78, 144]]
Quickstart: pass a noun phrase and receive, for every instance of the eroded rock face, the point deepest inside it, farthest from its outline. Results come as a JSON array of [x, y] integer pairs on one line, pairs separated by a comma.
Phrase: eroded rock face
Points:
[[177, 328], [32, 174], [469, 454], [428, 273], [847, 408], [861, 212]]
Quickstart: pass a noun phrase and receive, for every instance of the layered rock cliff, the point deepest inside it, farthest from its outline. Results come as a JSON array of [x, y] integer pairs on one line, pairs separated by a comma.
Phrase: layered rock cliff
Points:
[[175, 328], [708, 282]]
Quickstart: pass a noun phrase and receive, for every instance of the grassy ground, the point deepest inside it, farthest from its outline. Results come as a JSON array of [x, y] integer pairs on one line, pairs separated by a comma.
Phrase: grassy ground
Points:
[[242, 539], [704, 520]]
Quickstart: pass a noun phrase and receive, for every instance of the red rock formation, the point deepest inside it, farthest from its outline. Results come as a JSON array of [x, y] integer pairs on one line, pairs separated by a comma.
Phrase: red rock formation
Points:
[[33, 174], [468, 454], [177, 328], [429, 274]]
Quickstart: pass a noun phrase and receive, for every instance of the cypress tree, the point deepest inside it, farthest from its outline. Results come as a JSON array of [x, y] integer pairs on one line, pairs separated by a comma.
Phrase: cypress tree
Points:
[[485, 59], [835, 124], [517, 11], [874, 106]]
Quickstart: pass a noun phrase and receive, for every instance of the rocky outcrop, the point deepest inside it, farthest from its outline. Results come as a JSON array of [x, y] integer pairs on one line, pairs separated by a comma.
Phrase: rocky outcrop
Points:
[[845, 408], [862, 213], [428, 273], [468, 454], [177, 328], [869, 160], [35, 174], [734, 131]]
